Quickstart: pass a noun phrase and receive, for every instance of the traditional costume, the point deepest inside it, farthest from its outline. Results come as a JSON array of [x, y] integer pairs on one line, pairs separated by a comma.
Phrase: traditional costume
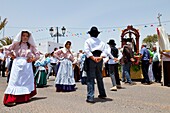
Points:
[[21, 85], [41, 73], [65, 76]]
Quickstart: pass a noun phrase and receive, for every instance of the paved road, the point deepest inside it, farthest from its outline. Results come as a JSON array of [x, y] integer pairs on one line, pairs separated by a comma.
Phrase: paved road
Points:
[[131, 99]]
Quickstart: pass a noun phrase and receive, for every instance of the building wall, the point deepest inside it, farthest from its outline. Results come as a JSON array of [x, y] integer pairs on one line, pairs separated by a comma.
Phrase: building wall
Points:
[[48, 46]]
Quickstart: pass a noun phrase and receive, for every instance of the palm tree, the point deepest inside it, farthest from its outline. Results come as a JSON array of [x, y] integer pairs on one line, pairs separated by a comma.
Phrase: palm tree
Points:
[[3, 23], [5, 41]]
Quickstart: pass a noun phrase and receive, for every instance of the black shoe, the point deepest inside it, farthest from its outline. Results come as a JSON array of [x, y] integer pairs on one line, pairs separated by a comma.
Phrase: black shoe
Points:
[[10, 104], [90, 101], [147, 83], [143, 81], [158, 81], [123, 80], [132, 83], [102, 96]]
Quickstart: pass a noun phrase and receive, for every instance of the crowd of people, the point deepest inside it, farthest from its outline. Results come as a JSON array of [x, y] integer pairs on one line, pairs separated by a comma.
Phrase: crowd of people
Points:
[[28, 69]]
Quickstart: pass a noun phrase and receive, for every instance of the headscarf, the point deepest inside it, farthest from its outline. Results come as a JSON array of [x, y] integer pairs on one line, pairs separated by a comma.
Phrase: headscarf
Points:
[[64, 49], [30, 40]]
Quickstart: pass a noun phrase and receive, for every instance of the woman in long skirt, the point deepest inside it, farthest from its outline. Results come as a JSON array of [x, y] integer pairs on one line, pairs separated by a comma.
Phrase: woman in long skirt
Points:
[[21, 86], [65, 81]]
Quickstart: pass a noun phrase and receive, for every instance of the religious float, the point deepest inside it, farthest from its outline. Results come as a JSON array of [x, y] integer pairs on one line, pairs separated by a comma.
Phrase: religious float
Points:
[[131, 35]]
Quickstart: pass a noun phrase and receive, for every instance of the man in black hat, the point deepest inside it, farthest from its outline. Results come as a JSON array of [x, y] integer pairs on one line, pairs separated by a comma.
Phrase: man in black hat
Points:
[[113, 65], [95, 51]]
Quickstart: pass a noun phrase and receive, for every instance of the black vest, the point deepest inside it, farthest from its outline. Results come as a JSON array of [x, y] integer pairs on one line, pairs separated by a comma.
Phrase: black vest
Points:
[[96, 53], [114, 52]]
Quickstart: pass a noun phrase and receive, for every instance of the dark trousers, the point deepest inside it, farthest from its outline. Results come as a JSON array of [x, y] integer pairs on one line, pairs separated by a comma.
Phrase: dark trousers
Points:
[[76, 73], [9, 69], [156, 69], [2, 68], [94, 70], [145, 67], [166, 68], [54, 68], [113, 69]]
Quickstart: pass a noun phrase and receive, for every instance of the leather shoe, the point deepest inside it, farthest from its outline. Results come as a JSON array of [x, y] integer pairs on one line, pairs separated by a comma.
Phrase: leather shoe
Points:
[[90, 101], [102, 96], [10, 104], [147, 83]]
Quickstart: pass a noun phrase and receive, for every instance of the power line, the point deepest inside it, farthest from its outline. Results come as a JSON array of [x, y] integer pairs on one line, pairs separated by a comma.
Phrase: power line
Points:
[[153, 23]]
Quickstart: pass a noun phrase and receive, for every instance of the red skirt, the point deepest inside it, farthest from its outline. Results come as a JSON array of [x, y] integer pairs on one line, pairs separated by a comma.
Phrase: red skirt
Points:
[[9, 98]]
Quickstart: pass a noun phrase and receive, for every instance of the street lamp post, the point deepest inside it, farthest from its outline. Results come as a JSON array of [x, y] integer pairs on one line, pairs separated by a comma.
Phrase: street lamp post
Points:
[[55, 32]]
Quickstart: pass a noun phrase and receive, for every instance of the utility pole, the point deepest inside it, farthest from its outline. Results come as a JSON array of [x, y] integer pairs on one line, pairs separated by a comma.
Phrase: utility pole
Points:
[[159, 15], [57, 34]]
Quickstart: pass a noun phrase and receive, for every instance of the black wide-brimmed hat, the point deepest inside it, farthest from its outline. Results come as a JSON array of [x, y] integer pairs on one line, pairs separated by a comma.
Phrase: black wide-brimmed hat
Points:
[[111, 42], [93, 30]]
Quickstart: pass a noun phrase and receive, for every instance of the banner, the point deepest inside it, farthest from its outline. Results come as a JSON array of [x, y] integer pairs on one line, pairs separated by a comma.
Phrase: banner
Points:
[[163, 39]]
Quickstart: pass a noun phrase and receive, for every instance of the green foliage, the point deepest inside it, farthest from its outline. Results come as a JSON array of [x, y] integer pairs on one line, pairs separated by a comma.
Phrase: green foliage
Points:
[[136, 68], [5, 41], [3, 23], [150, 40]]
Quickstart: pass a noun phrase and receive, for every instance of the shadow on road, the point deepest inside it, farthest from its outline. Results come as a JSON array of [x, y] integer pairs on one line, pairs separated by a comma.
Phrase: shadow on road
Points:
[[33, 99], [122, 88], [37, 98], [44, 86], [102, 100]]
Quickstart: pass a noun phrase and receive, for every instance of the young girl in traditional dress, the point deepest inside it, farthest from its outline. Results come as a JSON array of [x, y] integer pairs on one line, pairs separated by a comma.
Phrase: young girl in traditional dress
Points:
[[65, 77], [41, 72], [21, 86]]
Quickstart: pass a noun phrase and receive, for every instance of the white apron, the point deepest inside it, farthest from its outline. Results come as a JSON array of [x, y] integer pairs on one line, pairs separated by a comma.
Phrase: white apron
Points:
[[65, 74], [21, 78]]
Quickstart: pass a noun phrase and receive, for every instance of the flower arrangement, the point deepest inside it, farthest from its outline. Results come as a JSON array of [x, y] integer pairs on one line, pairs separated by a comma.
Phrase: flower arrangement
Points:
[[136, 66]]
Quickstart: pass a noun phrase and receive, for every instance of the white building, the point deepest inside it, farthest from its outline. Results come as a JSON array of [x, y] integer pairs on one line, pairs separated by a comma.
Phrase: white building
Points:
[[48, 46]]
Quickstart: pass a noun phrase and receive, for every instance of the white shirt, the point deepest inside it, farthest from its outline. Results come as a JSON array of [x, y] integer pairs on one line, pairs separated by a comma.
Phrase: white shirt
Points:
[[2, 55], [111, 61], [53, 60], [92, 44]]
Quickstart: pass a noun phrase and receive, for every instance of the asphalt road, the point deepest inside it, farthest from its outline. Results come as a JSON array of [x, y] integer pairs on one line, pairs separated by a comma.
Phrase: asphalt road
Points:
[[138, 98]]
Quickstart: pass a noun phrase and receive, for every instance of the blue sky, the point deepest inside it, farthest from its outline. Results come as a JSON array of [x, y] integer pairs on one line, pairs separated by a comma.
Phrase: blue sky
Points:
[[78, 16]]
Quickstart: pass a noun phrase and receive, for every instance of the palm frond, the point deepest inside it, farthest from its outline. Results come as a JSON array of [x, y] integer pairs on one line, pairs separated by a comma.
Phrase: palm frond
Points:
[[3, 42], [3, 23], [6, 41]]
